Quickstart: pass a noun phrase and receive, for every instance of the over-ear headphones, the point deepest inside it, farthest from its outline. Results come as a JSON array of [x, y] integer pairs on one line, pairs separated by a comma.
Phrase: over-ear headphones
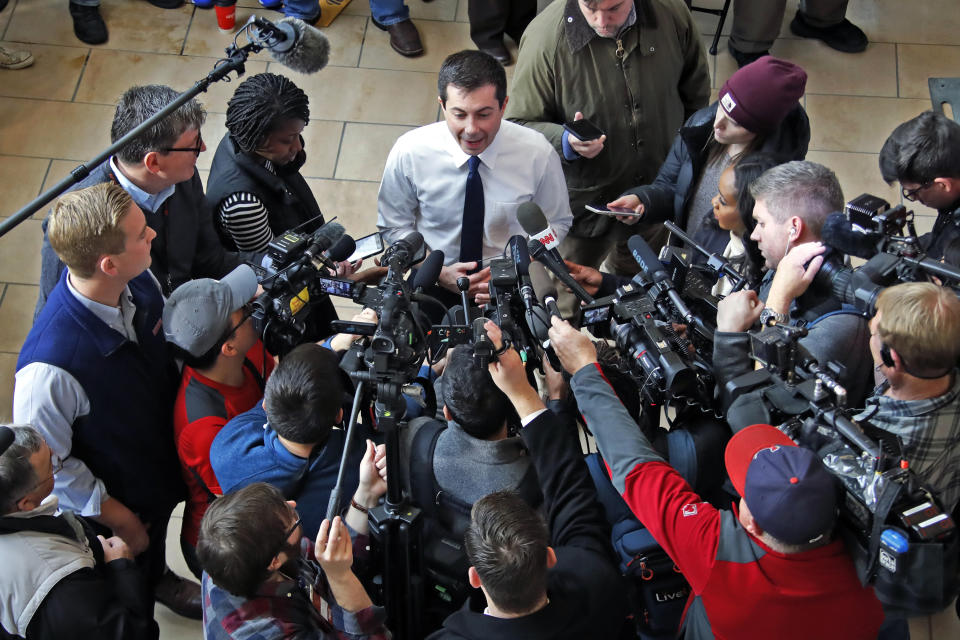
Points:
[[885, 356]]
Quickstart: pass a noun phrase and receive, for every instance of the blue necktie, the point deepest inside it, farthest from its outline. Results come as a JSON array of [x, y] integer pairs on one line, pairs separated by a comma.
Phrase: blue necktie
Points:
[[471, 232]]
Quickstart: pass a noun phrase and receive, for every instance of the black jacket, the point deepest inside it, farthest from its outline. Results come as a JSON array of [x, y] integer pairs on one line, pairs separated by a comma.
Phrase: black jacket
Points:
[[186, 245], [668, 196], [285, 195], [946, 232], [107, 602], [587, 597]]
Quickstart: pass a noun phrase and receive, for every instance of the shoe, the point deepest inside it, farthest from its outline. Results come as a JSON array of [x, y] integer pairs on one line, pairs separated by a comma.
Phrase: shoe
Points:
[[500, 53], [744, 58], [845, 36], [203, 4], [15, 58], [3, 4], [166, 4], [271, 4], [179, 595], [88, 25], [404, 37]]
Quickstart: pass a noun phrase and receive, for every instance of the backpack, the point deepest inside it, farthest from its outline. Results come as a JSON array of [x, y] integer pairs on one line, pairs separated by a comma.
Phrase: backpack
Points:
[[659, 592]]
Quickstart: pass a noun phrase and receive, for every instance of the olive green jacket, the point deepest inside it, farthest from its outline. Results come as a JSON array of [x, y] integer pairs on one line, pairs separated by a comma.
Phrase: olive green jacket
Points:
[[638, 88]]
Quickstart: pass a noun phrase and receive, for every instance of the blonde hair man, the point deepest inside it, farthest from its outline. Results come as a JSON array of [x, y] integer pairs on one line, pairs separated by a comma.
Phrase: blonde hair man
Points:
[[94, 376]]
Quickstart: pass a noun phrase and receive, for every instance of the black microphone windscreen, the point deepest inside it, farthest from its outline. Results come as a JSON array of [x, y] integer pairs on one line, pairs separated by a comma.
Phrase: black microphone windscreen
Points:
[[310, 51], [838, 233], [329, 233], [541, 281], [520, 254], [6, 438], [531, 218], [342, 248], [429, 271], [645, 256]]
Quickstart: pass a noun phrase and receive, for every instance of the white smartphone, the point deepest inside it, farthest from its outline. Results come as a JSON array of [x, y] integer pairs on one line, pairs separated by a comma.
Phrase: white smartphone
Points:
[[612, 211]]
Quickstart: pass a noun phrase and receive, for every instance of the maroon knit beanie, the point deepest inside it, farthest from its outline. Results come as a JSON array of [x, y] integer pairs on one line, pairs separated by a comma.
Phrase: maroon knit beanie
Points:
[[762, 93]]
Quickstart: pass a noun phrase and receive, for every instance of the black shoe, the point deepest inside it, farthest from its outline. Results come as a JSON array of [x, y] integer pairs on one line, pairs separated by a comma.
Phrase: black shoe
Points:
[[845, 36], [166, 4], [3, 4], [179, 595], [88, 26], [500, 53], [404, 37], [744, 58]]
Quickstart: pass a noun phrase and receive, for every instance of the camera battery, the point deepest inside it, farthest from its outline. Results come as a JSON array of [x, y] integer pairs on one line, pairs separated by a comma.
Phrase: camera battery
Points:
[[927, 521]]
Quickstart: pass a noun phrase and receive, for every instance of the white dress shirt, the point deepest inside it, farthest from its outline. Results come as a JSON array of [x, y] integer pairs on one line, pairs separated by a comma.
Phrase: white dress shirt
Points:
[[51, 400], [425, 179]]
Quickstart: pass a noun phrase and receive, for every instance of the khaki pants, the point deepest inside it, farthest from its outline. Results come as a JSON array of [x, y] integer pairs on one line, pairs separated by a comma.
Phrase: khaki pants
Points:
[[756, 23]]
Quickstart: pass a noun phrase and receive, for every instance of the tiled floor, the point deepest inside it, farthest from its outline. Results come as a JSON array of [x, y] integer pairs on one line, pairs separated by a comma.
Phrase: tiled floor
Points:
[[58, 112]]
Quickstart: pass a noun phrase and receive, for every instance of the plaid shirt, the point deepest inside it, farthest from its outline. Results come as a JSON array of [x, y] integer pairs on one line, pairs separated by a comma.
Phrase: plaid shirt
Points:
[[930, 430], [302, 609]]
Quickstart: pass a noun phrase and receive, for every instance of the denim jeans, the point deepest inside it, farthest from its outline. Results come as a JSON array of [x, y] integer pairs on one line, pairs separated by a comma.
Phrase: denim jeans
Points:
[[386, 12]]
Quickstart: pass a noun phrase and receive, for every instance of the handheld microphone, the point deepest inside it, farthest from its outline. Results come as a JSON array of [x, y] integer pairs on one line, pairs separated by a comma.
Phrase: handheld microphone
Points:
[[652, 266], [6, 438], [429, 271], [534, 223], [542, 255], [839, 233], [292, 42], [521, 260]]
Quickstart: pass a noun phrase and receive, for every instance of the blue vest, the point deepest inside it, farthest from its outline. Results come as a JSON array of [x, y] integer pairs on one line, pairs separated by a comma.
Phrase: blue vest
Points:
[[127, 438]]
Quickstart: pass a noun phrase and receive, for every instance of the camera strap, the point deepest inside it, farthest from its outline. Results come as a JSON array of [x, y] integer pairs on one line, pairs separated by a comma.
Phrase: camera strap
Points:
[[888, 497]]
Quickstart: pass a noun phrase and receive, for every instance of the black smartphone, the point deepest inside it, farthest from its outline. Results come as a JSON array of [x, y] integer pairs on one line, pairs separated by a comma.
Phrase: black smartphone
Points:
[[367, 246], [354, 328], [584, 130]]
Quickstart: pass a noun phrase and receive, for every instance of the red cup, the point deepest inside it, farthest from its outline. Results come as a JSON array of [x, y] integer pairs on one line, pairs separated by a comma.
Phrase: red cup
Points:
[[226, 16]]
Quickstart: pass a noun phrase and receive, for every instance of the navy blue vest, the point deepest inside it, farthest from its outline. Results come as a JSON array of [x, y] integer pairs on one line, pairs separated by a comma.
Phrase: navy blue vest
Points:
[[127, 438]]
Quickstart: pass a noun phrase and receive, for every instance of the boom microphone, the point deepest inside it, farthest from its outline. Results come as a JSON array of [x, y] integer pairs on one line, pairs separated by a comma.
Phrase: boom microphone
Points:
[[542, 255], [292, 42], [341, 249], [324, 238], [531, 218], [839, 233]]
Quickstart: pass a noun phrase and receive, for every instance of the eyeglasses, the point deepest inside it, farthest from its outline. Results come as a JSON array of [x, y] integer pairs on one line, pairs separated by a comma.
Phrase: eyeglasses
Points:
[[289, 532], [911, 194], [248, 310], [56, 466], [197, 149]]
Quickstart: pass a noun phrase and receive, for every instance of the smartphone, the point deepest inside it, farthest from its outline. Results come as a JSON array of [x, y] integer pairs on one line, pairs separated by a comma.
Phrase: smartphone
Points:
[[354, 328], [367, 246], [583, 129], [604, 210]]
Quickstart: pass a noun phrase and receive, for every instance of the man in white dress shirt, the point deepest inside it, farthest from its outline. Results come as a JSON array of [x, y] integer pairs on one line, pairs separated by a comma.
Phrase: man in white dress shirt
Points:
[[426, 178]]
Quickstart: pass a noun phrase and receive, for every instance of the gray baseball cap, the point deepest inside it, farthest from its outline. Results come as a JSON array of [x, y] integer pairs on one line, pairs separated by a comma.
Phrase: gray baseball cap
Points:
[[197, 313]]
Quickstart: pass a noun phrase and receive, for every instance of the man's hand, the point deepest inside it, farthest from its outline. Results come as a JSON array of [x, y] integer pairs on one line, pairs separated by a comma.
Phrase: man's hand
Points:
[[794, 275], [628, 201], [478, 281], [557, 387], [342, 341], [585, 149], [575, 349], [587, 277], [114, 548], [510, 376], [334, 550], [738, 311], [124, 523], [346, 269], [373, 475]]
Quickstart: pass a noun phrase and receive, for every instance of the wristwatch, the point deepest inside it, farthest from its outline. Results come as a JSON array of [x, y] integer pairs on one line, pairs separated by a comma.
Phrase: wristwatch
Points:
[[769, 314]]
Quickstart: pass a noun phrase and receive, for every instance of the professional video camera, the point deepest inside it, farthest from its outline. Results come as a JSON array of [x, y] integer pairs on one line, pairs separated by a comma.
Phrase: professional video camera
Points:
[[901, 539], [872, 230], [293, 307]]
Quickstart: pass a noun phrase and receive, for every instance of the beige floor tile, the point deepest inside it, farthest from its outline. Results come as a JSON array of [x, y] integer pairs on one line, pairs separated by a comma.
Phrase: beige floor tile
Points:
[[711, 60], [8, 366], [707, 23], [845, 123], [20, 253], [53, 75], [440, 39], [16, 314], [462, 15], [364, 150], [419, 10], [5, 15], [135, 26], [353, 203], [53, 129], [858, 173], [322, 140], [925, 22], [108, 75], [871, 73], [172, 626], [923, 223], [213, 130], [385, 97], [59, 169], [918, 62], [20, 180]]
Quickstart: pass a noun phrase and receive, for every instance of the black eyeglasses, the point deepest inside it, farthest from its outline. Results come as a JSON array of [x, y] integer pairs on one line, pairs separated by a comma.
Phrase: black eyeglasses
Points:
[[56, 466], [197, 149], [248, 310], [911, 194], [289, 532]]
